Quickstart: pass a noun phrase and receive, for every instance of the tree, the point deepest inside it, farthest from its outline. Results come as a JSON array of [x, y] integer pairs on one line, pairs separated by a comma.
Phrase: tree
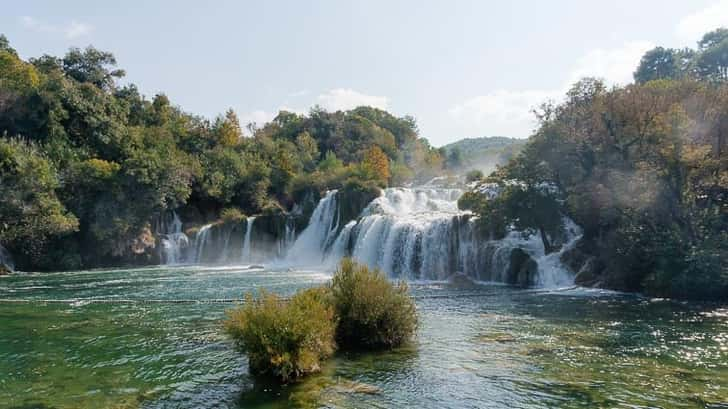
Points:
[[30, 212], [92, 66], [713, 38], [712, 63], [376, 161], [454, 159], [228, 129], [662, 63]]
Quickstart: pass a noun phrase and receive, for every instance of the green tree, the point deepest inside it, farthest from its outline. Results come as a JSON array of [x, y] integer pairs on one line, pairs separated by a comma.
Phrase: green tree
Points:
[[664, 63], [30, 212], [92, 66]]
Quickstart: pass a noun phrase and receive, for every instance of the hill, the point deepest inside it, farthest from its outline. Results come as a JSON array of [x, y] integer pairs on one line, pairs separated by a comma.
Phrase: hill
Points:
[[482, 153]]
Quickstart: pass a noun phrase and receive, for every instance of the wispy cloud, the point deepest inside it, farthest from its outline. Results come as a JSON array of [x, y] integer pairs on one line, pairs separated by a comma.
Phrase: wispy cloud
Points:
[[346, 98], [692, 27], [71, 30], [508, 112], [332, 100], [258, 117], [298, 94]]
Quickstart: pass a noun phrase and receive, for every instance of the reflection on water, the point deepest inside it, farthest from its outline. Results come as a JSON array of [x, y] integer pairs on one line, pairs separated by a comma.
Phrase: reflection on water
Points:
[[506, 348]]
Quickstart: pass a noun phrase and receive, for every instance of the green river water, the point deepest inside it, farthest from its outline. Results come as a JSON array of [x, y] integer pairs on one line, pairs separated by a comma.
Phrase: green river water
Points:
[[492, 347]]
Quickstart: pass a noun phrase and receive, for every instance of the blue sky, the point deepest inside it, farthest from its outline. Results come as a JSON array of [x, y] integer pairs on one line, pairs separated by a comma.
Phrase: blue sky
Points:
[[462, 68]]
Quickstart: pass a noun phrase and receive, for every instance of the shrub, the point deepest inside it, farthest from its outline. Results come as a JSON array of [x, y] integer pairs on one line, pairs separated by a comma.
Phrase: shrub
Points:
[[284, 339], [232, 215], [371, 311], [474, 175]]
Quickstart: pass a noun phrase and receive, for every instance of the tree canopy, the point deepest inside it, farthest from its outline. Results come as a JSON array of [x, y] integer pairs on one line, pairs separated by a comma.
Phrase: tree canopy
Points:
[[89, 164]]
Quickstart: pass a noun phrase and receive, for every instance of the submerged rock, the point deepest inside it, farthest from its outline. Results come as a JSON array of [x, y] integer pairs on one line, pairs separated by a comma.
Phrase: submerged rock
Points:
[[347, 386], [522, 269], [461, 281]]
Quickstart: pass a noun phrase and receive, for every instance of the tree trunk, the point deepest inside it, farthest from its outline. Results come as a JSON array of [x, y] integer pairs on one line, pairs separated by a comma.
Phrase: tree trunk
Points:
[[547, 247]]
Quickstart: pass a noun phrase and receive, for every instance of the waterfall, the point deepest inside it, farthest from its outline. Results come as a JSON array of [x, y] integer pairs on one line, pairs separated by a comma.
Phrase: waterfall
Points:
[[200, 241], [246, 255], [6, 259], [173, 240], [408, 233], [310, 247], [420, 234]]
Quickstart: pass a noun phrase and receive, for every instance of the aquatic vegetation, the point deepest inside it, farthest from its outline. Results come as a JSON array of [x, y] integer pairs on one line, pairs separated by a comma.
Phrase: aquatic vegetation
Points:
[[371, 311], [284, 339], [288, 339]]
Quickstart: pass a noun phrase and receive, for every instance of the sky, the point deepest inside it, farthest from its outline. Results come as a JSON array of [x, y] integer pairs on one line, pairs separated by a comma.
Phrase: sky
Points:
[[461, 68]]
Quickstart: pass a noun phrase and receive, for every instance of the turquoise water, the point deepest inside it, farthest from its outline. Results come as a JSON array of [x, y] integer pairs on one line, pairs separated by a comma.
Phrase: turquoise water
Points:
[[502, 347]]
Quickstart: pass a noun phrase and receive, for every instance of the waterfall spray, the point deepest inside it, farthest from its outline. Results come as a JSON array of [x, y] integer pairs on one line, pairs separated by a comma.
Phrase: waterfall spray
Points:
[[246, 255], [173, 240]]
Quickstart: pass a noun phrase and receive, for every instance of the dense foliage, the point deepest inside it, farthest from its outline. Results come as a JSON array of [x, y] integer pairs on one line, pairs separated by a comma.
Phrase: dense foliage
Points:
[[371, 311], [642, 168], [360, 309], [284, 340], [709, 62], [88, 164]]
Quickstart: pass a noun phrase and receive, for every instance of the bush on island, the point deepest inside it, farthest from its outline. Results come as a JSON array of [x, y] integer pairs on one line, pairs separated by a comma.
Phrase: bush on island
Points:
[[284, 340], [361, 309], [372, 312]]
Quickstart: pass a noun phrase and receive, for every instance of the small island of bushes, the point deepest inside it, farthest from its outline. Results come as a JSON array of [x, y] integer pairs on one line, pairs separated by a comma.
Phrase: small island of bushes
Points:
[[360, 309]]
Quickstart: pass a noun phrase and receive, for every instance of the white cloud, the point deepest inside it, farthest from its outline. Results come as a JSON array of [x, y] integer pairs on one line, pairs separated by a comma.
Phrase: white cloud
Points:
[[508, 112], [346, 98], [692, 27], [72, 30], [76, 29], [502, 112], [258, 117], [614, 65], [33, 24], [332, 100]]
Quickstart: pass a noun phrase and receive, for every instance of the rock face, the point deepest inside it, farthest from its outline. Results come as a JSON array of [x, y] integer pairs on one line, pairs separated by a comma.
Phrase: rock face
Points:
[[522, 270], [587, 269]]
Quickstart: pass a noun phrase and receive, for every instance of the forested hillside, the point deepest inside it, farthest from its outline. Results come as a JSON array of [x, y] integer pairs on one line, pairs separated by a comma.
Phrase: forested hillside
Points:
[[482, 154], [88, 165], [642, 168]]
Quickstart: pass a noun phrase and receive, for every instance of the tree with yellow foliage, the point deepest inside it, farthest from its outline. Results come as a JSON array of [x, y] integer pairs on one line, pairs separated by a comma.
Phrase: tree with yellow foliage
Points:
[[228, 129], [377, 162]]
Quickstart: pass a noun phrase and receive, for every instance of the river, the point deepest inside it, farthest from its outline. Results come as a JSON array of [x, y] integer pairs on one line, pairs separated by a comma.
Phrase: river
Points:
[[494, 346]]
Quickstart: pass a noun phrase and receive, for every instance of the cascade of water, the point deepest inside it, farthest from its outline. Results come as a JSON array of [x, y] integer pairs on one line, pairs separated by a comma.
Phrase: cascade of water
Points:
[[420, 233], [310, 247], [200, 241], [407, 233], [246, 255], [173, 240], [225, 250], [6, 259]]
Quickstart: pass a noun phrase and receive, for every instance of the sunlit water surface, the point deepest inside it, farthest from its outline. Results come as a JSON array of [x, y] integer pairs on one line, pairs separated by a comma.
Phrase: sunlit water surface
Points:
[[501, 348]]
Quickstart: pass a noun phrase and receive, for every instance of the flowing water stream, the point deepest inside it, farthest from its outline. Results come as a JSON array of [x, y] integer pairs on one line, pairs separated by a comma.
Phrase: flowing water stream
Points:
[[494, 346]]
